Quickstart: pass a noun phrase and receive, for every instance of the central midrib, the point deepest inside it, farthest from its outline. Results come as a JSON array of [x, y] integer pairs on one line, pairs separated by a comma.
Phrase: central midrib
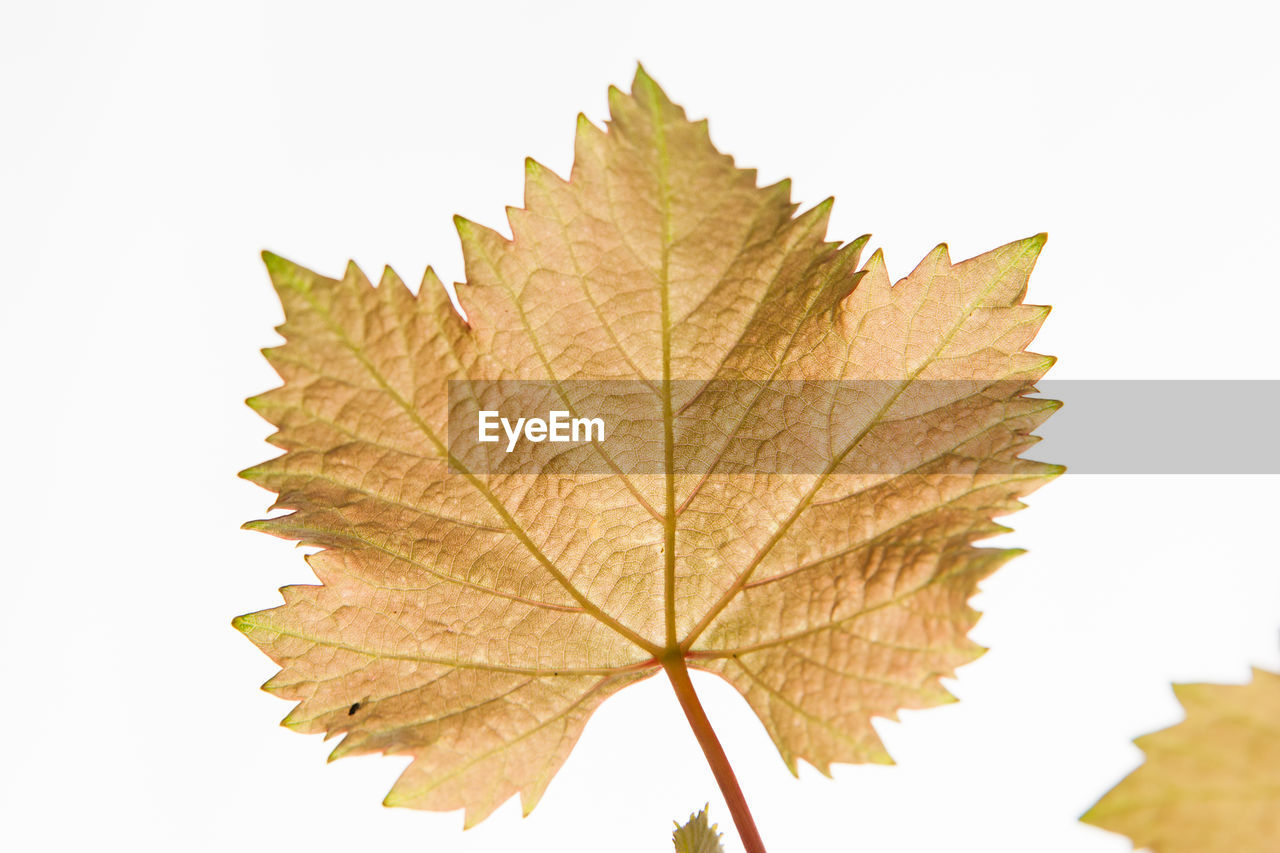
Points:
[[668, 420]]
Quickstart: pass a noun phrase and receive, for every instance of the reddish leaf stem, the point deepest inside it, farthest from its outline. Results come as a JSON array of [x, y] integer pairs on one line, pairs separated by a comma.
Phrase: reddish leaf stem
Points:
[[678, 673]]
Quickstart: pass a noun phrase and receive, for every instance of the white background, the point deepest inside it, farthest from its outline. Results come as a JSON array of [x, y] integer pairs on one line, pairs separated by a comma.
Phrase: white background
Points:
[[149, 151]]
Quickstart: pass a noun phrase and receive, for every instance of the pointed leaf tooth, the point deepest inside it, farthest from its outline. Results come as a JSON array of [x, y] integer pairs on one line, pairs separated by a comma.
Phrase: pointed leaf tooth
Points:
[[588, 142], [355, 276], [938, 260], [876, 280], [856, 246]]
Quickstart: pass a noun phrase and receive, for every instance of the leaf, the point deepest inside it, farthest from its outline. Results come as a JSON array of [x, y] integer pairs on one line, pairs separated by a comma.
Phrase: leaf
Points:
[[474, 620], [698, 835], [1210, 783]]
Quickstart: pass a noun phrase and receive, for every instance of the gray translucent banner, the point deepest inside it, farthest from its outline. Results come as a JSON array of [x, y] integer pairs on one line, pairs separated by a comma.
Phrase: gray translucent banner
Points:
[[864, 427]]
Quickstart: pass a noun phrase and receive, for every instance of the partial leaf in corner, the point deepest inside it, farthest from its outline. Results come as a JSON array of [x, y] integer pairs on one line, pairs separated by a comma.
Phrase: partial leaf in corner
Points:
[[697, 835], [1210, 784]]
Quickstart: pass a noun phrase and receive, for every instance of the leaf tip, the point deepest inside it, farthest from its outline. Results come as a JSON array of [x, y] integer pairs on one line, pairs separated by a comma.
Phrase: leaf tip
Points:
[[341, 749], [278, 268], [1046, 362], [390, 282], [615, 97], [527, 802], [585, 137], [644, 86], [641, 78], [1034, 245]]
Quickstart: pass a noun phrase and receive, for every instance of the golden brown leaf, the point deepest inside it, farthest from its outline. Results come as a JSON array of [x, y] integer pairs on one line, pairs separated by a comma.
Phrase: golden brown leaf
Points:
[[1210, 784], [810, 542]]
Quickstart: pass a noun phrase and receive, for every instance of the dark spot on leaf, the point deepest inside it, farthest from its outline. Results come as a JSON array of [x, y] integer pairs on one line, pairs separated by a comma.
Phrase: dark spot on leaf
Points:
[[352, 710]]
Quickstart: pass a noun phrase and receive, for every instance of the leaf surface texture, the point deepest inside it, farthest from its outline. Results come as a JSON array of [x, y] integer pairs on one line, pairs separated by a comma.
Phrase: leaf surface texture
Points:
[[474, 620]]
